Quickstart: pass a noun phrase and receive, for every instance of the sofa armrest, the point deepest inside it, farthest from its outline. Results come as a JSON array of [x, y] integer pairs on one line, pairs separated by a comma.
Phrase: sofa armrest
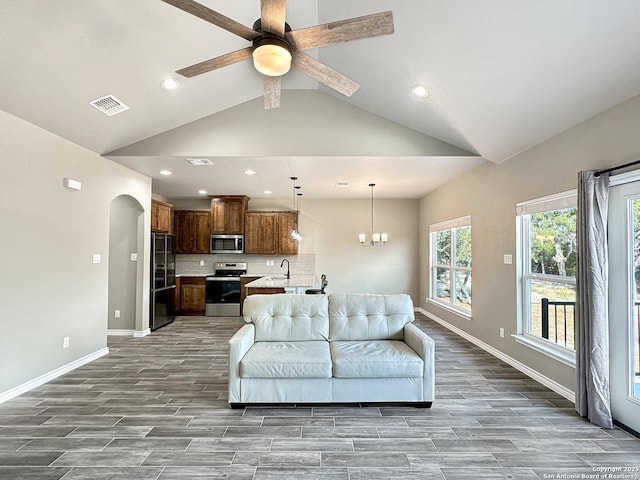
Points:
[[239, 345], [425, 347]]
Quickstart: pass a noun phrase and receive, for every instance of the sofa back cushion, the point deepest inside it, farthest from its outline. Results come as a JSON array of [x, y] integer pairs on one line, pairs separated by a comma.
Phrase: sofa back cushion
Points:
[[355, 316], [288, 318]]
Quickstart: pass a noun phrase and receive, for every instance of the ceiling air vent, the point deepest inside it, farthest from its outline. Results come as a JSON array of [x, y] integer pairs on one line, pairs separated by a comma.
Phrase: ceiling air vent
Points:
[[109, 105], [199, 162], [342, 184]]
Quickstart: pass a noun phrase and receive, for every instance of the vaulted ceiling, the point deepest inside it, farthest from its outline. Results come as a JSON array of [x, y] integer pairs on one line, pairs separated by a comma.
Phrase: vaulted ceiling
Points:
[[502, 75]]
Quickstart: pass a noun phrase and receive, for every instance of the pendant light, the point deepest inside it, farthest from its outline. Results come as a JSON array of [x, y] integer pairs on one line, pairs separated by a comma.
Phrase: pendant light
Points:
[[294, 234], [377, 239]]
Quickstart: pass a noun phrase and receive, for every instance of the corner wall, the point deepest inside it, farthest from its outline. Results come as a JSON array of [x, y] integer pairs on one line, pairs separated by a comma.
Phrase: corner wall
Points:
[[49, 286], [489, 195]]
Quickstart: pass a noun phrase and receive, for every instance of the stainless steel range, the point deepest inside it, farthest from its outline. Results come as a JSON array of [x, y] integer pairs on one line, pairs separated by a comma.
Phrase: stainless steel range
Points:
[[223, 290]]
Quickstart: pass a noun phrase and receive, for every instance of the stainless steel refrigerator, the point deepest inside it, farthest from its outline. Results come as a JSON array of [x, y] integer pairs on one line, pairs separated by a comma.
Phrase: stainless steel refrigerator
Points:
[[162, 309]]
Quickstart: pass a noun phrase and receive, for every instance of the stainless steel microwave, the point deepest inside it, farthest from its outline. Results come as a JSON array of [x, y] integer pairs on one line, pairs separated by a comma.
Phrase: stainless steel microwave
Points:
[[227, 244]]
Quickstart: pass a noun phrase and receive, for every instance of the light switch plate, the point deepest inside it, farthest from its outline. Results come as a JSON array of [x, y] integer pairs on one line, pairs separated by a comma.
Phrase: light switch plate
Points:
[[508, 259], [96, 258], [134, 257]]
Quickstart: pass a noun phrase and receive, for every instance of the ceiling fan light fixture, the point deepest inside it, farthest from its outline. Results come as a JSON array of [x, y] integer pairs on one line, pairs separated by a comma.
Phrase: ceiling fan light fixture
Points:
[[271, 56]]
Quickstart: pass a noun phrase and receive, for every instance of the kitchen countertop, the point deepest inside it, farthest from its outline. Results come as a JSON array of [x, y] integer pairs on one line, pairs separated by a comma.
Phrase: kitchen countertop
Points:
[[280, 281], [194, 275]]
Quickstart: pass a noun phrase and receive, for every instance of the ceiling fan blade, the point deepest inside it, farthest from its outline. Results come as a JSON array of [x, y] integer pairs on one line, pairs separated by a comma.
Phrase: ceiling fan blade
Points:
[[342, 31], [215, 63], [211, 16], [271, 92], [273, 13], [321, 72]]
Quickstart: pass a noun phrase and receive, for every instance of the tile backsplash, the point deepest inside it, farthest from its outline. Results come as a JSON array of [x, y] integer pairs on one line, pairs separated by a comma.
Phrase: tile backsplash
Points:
[[304, 264]]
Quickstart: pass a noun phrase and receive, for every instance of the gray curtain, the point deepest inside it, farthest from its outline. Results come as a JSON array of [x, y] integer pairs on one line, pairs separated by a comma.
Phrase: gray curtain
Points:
[[592, 309]]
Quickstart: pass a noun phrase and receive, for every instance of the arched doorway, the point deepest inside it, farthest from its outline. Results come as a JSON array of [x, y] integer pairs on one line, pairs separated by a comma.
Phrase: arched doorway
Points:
[[126, 227]]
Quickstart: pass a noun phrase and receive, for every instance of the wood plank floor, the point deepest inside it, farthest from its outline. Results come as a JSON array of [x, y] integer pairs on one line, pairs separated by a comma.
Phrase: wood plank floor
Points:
[[155, 409]]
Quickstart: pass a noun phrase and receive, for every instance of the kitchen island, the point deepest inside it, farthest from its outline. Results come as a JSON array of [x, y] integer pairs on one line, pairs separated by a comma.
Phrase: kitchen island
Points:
[[280, 284]]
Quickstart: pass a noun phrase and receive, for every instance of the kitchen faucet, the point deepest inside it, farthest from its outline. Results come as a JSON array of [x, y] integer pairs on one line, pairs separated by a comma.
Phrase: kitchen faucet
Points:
[[282, 263]]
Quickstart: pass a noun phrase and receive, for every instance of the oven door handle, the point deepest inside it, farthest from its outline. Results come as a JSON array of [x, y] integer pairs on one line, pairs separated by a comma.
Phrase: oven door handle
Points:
[[223, 279]]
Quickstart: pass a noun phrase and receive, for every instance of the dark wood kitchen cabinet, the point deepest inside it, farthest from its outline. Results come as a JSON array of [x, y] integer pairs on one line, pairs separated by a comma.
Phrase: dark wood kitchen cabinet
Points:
[[287, 221], [192, 230], [268, 233], [260, 232], [160, 217], [243, 289], [192, 295], [227, 214]]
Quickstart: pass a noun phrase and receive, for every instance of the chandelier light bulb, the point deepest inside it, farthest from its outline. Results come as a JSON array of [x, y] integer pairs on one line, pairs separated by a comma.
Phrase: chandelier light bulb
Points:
[[377, 239]]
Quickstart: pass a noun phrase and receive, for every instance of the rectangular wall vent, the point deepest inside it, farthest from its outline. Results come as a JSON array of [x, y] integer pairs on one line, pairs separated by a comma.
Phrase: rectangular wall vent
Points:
[[342, 184], [109, 105], [199, 162]]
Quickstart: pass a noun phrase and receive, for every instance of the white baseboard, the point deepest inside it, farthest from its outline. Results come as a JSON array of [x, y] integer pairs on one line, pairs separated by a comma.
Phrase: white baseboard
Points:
[[528, 371], [47, 377], [141, 333], [129, 333], [120, 333]]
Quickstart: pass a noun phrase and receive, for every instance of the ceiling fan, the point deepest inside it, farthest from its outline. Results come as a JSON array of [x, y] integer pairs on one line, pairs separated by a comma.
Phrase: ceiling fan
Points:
[[275, 47]]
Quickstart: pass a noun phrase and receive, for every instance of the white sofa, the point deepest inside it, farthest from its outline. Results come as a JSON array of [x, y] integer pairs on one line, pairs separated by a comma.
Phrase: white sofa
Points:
[[338, 348]]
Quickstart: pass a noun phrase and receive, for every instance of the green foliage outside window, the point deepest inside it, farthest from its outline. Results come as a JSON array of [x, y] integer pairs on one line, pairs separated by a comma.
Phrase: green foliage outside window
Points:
[[453, 266], [553, 242]]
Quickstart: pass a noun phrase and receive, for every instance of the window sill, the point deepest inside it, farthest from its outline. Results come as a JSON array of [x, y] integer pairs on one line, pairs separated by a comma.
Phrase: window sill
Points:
[[558, 353], [458, 311]]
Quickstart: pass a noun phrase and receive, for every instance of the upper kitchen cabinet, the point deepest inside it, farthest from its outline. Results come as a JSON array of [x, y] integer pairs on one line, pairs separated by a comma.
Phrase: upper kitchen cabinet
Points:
[[160, 217], [268, 233], [192, 229], [287, 221], [227, 214]]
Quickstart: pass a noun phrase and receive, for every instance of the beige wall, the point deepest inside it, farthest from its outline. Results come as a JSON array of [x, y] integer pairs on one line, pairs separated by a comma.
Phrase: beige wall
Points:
[[489, 195], [49, 287]]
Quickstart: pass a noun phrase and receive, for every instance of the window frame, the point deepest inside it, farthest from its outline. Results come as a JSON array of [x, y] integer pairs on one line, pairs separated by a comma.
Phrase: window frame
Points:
[[450, 225], [525, 335]]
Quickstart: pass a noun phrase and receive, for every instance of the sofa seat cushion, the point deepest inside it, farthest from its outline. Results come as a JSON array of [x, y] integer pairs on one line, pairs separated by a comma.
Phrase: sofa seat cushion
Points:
[[375, 359], [287, 360]]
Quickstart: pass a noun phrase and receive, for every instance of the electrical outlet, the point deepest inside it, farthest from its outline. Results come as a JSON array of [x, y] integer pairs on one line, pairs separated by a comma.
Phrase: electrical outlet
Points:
[[65, 342], [96, 258], [134, 257], [116, 314], [202, 263], [508, 259], [502, 333]]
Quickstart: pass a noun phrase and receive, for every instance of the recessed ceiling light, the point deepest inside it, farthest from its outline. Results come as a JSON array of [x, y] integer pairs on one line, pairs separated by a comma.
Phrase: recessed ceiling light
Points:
[[268, 192], [420, 91], [170, 84], [202, 192], [165, 172], [249, 172], [342, 184]]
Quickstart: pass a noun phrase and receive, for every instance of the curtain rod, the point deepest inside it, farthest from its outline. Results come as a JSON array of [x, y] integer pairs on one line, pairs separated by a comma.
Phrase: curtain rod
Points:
[[619, 167]]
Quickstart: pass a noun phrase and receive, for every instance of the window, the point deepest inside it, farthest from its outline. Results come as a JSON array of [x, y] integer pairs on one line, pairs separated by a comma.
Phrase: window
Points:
[[451, 265], [547, 228]]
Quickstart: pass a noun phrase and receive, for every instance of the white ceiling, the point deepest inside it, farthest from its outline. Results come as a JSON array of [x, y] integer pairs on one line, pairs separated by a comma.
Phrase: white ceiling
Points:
[[503, 75]]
